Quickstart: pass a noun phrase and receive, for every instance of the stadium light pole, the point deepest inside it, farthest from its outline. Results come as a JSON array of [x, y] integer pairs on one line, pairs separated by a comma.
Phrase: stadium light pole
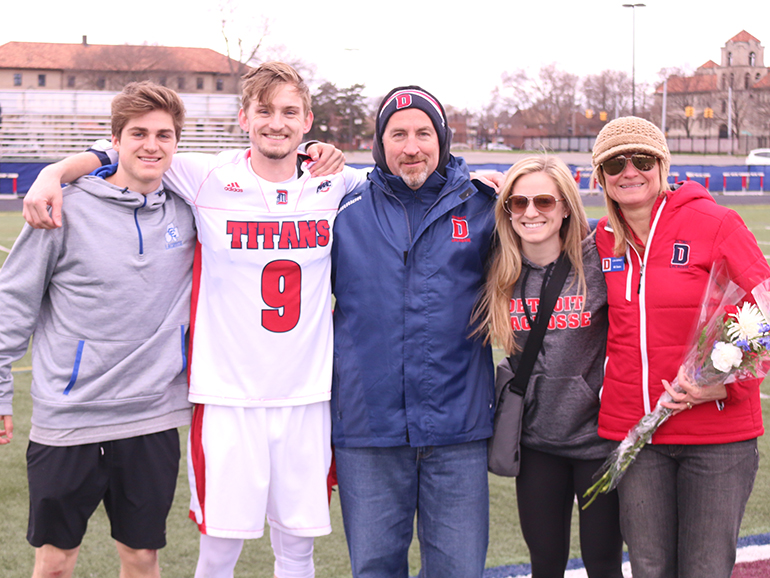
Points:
[[633, 8]]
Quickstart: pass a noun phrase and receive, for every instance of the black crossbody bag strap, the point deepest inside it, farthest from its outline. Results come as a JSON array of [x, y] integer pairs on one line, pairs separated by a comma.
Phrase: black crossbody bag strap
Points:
[[548, 297]]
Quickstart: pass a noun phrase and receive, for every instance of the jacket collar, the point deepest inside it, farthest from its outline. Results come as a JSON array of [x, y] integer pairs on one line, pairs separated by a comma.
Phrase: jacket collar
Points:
[[456, 176]]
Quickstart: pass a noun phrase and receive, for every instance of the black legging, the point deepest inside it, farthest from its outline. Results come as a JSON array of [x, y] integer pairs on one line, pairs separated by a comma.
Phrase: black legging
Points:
[[545, 491]]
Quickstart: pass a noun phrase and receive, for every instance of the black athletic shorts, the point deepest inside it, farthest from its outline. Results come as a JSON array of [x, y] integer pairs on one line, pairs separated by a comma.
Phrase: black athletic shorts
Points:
[[135, 477]]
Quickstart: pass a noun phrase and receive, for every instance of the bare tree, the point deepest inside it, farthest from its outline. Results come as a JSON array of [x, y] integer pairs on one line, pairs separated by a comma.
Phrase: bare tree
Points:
[[743, 109], [552, 95], [235, 26], [516, 91], [248, 41], [281, 53], [497, 104], [645, 93], [682, 86], [609, 91], [761, 113], [487, 119]]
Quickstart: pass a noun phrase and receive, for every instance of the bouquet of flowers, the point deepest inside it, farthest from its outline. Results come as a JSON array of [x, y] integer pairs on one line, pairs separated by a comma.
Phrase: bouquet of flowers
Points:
[[731, 343]]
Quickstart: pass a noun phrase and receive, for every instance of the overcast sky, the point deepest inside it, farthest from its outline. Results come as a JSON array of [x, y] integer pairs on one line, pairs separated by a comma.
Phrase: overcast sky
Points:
[[458, 54]]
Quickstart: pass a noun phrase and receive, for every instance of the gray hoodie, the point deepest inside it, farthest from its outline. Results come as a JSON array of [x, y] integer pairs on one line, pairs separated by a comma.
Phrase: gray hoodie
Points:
[[107, 297], [561, 406]]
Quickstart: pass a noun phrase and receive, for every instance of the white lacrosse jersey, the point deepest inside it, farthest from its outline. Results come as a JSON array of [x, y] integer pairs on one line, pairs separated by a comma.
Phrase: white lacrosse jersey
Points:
[[261, 323]]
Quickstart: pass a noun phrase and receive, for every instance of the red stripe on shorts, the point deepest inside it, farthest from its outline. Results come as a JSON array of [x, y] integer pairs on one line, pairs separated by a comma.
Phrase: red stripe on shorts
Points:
[[198, 462], [196, 287]]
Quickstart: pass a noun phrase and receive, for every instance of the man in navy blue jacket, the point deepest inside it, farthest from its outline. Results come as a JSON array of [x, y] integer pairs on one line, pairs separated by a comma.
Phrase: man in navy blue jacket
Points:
[[412, 393]]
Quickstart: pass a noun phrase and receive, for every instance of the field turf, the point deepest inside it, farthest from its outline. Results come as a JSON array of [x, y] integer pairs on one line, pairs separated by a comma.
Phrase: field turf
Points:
[[99, 559]]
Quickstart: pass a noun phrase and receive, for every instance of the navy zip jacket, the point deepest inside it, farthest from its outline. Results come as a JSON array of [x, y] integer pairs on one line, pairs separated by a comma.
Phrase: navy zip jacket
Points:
[[406, 371]]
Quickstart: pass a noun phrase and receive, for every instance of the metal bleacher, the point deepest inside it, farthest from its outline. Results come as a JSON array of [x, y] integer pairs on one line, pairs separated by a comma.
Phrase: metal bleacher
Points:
[[55, 124]]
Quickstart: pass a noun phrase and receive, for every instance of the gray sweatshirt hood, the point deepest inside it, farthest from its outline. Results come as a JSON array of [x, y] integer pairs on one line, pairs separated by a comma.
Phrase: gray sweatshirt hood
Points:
[[98, 187]]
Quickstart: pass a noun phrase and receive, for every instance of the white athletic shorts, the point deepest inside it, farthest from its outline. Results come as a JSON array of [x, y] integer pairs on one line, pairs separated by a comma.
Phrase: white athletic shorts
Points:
[[248, 463]]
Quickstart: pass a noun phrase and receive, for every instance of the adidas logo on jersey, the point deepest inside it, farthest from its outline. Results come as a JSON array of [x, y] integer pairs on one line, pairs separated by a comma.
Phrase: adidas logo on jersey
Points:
[[233, 188]]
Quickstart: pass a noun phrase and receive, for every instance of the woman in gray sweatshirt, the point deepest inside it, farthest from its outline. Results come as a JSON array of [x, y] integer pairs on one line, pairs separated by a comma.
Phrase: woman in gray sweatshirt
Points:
[[539, 216]]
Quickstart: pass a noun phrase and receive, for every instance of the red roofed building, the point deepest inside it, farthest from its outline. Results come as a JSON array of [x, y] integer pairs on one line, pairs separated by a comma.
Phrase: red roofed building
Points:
[[47, 66], [740, 84]]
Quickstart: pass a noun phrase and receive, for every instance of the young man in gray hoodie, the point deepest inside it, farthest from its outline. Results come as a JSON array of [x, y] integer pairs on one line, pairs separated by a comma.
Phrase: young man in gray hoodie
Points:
[[107, 299]]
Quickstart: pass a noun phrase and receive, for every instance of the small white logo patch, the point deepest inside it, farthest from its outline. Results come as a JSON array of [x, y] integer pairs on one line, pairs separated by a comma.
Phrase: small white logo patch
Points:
[[172, 236]]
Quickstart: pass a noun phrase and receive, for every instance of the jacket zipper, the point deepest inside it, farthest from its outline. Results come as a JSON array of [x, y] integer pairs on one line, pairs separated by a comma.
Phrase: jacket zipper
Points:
[[387, 191], [138, 228], [642, 291]]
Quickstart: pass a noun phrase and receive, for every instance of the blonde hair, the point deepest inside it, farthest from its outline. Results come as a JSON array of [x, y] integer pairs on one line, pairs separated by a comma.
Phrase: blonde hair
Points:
[[261, 84], [492, 313]]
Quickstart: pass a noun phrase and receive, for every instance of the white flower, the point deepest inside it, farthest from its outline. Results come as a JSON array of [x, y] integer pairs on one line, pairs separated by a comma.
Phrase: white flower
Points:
[[724, 356], [746, 324]]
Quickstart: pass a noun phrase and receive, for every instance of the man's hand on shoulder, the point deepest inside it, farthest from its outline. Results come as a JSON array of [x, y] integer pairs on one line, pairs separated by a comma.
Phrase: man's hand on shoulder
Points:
[[45, 192], [6, 434], [327, 159]]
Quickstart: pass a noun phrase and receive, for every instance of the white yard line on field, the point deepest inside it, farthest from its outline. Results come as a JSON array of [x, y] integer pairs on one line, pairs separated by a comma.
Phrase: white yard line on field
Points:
[[581, 573], [753, 553]]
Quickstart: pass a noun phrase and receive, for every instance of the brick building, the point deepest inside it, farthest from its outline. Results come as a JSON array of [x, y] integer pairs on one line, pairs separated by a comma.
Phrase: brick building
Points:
[[700, 105], [48, 66]]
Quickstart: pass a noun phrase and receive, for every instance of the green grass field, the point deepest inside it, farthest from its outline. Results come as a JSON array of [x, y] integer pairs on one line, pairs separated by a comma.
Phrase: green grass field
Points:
[[98, 558]]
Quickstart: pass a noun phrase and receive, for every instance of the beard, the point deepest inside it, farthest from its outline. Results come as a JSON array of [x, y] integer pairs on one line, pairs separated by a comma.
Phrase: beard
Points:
[[416, 177], [277, 152], [273, 155]]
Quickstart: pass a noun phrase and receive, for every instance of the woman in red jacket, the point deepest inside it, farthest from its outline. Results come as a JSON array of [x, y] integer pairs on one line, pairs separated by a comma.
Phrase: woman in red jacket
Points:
[[683, 498]]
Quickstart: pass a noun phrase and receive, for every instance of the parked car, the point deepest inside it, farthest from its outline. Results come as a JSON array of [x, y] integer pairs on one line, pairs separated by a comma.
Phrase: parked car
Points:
[[497, 146], [758, 157]]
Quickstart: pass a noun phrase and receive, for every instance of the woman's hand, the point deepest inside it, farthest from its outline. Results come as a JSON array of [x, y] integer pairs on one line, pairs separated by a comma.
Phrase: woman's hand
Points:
[[692, 393]]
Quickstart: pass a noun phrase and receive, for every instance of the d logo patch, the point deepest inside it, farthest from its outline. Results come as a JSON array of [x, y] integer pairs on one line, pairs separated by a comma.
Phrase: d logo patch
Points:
[[460, 232], [681, 254]]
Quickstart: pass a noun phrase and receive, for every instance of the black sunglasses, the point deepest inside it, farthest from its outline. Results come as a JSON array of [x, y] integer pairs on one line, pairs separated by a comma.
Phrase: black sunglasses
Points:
[[517, 204], [615, 165]]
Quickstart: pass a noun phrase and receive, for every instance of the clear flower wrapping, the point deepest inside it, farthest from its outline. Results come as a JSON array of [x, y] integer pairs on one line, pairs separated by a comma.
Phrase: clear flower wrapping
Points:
[[730, 343]]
